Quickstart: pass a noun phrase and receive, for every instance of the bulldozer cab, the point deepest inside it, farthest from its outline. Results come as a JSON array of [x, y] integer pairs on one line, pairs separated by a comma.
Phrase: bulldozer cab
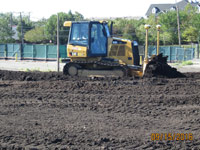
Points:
[[88, 39]]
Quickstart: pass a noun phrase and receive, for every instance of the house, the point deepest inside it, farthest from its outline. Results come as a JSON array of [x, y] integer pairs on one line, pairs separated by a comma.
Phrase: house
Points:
[[162, 8], [14, 29]]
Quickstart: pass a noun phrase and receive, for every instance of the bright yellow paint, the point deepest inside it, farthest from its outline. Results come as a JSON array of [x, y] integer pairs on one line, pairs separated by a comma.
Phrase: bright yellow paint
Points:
[[102, 21], [76, 51], [15, 56], [67, 23], [128, 52]]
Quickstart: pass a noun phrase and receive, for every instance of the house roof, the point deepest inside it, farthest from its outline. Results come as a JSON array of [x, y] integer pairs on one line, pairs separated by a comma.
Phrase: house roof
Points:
[[165, 7]]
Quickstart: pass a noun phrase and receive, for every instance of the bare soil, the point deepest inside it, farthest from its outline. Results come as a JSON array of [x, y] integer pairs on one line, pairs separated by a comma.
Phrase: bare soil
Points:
[[51, 111]]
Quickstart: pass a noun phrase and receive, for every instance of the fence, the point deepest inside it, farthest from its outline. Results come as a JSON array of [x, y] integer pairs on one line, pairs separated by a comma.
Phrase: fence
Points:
[[49, 52], [174, 54], [32, 51]]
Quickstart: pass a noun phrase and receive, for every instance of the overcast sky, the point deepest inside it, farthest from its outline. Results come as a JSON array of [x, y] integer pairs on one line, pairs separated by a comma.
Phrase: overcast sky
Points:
[[88, 8]]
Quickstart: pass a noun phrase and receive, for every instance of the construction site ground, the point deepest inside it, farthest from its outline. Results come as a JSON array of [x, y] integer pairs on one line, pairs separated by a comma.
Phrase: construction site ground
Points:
[[46, 110]]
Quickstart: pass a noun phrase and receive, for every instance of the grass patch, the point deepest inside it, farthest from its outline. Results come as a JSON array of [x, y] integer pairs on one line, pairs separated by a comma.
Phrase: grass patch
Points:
[[27, 70], [31, 70], [36, 69], [185, 63]]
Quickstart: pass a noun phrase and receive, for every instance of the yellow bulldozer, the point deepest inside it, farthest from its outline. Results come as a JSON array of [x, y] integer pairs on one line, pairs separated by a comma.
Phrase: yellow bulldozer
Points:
[[93, 51]]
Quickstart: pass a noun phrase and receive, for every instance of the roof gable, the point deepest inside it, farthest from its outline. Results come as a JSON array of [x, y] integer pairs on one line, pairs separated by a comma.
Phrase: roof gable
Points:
[[166, 7]]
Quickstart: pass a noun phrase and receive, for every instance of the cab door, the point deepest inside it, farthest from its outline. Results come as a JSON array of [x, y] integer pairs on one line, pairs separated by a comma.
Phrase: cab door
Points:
[[98, 40]]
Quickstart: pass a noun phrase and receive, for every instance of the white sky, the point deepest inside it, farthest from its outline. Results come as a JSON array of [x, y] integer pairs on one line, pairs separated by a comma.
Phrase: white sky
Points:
[[88, 8]]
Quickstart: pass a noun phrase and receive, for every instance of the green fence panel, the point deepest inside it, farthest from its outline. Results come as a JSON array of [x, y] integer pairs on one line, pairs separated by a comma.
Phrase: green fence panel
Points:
[[28, 51], [63, 51], [189, 54], [182, 54], [151, 50], [165, 50], [173, 53], [39, 51], [17, 49], [2, 50], [43, 51], [10, 50], [13, 49], [52, 51]]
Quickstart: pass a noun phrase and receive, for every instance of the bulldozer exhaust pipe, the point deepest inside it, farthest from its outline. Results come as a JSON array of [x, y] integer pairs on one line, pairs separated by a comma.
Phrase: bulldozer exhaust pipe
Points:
[[111, 28]]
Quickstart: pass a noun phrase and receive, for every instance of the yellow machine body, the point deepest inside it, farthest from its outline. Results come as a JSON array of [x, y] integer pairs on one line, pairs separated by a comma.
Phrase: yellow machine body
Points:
[[80, 48], [76, 51], [121, 52]]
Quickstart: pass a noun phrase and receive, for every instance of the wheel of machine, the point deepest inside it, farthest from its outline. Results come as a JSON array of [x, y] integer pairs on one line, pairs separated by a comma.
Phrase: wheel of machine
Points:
[[72, 70], [65, 70]]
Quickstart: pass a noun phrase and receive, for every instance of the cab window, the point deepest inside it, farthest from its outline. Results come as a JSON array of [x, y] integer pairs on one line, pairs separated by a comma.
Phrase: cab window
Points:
[[98, 39], [79, 34]]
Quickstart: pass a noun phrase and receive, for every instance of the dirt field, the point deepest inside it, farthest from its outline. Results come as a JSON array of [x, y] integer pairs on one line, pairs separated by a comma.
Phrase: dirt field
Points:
[[50, 111]]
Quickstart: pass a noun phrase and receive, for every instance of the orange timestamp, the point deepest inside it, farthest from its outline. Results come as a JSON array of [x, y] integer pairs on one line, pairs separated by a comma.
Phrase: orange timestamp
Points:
[[171, 136]]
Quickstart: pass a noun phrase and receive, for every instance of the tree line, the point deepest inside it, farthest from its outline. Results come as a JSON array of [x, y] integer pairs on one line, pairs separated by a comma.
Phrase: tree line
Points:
[[45, 30], [42, 31]]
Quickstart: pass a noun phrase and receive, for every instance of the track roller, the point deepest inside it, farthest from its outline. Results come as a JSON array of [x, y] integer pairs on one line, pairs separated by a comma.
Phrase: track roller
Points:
[[70, 69]]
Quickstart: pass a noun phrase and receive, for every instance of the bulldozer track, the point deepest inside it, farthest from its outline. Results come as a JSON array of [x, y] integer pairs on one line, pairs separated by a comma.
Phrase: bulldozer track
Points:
[[109, 65]]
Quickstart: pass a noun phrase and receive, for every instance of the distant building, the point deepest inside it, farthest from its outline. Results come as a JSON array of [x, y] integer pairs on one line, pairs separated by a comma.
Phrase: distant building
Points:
[[162, 8], [14, 29], [113, 18]]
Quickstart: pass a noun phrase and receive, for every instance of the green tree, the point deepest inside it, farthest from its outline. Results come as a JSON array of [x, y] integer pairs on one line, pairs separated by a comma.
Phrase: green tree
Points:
[[126, 28], [78, 16], [51, 26], [169, 32], [196, 24], [152, 21], [140, 33], [190, 34], [6, 32], [25, 24], [35, 35], [39, 23]]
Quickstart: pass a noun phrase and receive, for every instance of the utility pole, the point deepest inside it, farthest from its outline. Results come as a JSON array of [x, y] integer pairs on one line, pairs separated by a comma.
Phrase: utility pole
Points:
[[29, 17], [22, 35], [58, 43], [198, 49], [11, 21], [178, 22]]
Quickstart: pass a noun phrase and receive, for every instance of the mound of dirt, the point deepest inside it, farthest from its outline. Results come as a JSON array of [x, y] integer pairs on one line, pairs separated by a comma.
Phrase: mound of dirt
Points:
[[158, 67]]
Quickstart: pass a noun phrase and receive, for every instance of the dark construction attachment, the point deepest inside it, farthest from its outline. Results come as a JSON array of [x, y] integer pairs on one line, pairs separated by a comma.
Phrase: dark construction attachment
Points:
[[158, 67]]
